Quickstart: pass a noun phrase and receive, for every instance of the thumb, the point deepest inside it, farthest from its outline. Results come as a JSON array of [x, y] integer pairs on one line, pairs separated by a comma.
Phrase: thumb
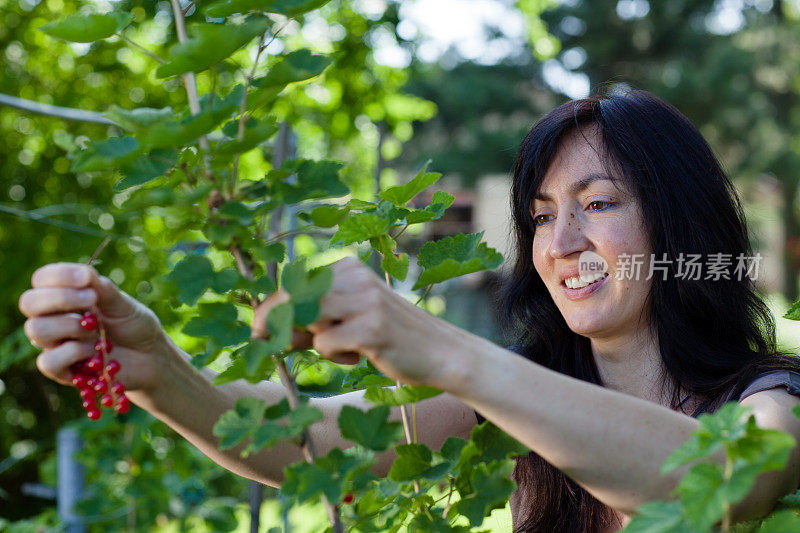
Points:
[[111, 300]]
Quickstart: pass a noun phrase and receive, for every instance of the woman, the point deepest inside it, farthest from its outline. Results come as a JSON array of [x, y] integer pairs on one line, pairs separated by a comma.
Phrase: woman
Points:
[[605, 364]]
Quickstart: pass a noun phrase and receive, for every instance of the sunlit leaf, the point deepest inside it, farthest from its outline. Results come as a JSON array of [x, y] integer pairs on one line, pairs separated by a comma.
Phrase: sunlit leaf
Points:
[[87, 28]]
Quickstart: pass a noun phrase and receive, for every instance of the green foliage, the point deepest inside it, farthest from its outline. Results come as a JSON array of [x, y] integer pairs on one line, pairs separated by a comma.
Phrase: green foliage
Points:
[[370, 429], [455, 256], [87, 28]]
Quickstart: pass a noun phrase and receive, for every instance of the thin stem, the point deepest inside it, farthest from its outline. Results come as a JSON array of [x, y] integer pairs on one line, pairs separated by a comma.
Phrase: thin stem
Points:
[[99, 250], [139, 47], [726, 477], [281, 236], [242, 116], [306, 442], [396, 235], [424, 294], [190, 82], [449, 494], [403, 411]]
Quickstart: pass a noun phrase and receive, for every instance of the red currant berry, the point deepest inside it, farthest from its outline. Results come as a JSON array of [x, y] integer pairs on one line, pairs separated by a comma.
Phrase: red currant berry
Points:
[[78, 367], [348, 498], [89, 403], [123, 404], [112, 367], [117, 388], [107, 400], [94, 413], [95, 363], [89, 321], [103, 346], [101, 387], [87, 394], [79, 380], [92, 382]]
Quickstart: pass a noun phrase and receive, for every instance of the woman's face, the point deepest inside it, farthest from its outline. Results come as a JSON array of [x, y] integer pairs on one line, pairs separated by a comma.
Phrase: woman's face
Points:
[[577, 210]]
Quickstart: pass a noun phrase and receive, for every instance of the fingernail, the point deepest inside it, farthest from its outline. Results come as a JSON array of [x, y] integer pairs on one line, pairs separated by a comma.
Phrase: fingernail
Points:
[[81, 277], [86, 296]]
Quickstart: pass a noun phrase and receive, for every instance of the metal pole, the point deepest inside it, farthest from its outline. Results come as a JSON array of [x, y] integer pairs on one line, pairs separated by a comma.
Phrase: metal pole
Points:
[[70, 479]]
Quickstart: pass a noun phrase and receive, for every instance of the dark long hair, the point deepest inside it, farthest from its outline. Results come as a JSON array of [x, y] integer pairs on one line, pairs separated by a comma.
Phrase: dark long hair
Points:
[[714, 335]]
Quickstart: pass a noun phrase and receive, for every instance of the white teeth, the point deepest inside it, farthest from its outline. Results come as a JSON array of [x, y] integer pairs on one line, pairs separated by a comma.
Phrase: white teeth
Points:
[[576, 282]]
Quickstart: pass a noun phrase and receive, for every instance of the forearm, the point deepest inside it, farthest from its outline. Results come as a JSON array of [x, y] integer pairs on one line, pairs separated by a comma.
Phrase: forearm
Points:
[[186, 400], [611, 443]]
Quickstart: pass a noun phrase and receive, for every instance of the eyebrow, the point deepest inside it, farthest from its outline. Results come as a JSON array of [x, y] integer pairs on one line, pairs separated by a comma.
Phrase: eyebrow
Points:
[[578, 186]]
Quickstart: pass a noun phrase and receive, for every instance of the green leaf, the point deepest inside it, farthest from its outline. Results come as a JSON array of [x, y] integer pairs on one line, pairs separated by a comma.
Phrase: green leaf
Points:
[[400, 395], [328, 475], [359, 227], [325, 216], [781, 522], [236, 370], [293, 8], [218, 322], [182, 131], [105, 155], [794, 312], [255, 133], [146, 168], [290, 8], [270, 253], [139, 119], [396, 265], [87, 28], [411, 462], [192, 277], [299, 65], [306, 289], [493, 444], [659, 517], [455, 256], [315, 179], [369, 428], [209, 44], [402, 194], [236, 425], [492, 489], [257, 357]]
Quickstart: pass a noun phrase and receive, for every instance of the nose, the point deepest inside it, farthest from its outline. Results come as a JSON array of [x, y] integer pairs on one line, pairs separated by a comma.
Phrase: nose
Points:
[[568, 237]]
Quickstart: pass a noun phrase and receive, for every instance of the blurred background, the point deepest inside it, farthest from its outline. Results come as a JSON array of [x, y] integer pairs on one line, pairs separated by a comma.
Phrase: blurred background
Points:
[[456, 81]]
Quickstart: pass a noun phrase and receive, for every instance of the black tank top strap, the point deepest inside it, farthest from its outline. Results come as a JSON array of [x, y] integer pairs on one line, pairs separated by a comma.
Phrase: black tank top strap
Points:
[[774, 378]]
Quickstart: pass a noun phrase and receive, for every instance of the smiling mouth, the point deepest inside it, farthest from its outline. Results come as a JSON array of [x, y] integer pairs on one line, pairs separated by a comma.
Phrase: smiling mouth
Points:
[[585, 280]]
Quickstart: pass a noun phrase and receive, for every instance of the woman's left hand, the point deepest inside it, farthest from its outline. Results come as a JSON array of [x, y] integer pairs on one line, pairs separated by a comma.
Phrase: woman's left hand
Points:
[[361, 316]]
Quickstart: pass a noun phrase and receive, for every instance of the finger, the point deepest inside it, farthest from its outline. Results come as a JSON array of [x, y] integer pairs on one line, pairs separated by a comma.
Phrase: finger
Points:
[[48, 331], [113, 302], [55, 363], [342, 341], [49, 300], [259, 326], [75, 275]]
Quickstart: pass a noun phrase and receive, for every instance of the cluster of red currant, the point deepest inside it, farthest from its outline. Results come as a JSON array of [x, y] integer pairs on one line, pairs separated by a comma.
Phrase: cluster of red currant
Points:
[[93, 376]]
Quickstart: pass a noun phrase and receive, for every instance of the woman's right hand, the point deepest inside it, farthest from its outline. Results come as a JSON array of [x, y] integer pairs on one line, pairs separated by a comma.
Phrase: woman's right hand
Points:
[[60, 294]]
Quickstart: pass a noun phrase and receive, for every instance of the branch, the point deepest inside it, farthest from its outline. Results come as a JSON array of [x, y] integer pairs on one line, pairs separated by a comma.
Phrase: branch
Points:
[[68, 113], [139, 47], [190, 82], [292, 396]]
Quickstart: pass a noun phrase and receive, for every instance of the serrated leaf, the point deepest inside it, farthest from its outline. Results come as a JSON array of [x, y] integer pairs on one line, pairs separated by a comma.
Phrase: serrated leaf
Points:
[[208, 45], [146, 168], [400, 195], [369, 428], [87, 28], [794, 312], [255, 133], [257, 357], [192, 277], [328, 475], [492, 489], [325, 216], [182, 131], [138, 119], [659, 517], [105, 155], [299, 65], [493, 444], [359, 227], [270, 253], [412, 460], [396, 265], [399, 395], [306, 289], [290, 8], [455, 256], [218, 322], [235, 426], [315, 179], [236, 370]]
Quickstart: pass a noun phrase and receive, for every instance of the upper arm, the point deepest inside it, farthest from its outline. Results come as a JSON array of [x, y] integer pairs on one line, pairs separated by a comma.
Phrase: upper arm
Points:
[[772, 409], [437, 419]]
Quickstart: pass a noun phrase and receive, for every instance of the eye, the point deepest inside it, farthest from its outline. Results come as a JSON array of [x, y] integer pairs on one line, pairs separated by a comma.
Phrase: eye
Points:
[[599, 205], [538, 220]]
